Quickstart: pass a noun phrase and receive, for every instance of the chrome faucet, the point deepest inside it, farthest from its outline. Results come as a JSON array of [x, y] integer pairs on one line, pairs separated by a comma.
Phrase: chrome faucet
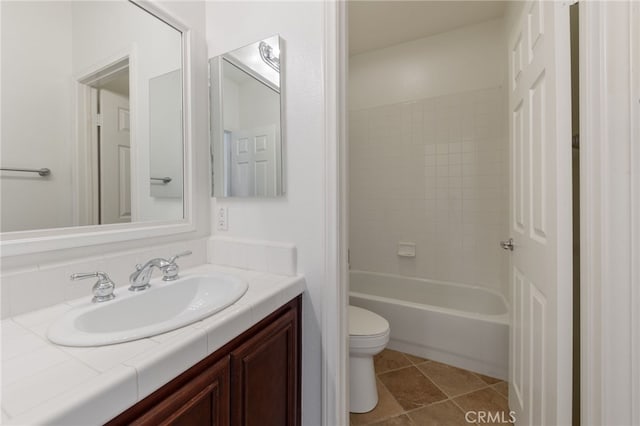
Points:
[[140, 278], [102, 289]]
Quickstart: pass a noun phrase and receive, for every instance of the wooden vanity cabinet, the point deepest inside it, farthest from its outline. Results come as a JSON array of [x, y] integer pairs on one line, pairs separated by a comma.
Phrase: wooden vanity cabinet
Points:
[[264, 376], [253, 380]]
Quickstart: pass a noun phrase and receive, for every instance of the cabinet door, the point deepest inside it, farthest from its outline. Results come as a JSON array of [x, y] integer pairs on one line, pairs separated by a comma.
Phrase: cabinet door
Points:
[[264, 376], [202, 401]]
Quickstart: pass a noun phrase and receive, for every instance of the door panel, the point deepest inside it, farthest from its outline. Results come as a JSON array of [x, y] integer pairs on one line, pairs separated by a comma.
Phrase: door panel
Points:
[[540, 203], [263, 376], [115, 159], [253, 163]]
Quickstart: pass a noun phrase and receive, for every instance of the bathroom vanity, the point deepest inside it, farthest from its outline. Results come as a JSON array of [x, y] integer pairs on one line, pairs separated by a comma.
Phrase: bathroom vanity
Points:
[[252, 380], [240, 365]]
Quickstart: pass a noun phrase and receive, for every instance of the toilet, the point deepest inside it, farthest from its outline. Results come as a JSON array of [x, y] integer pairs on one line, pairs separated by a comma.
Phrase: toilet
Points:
[[368, 336]]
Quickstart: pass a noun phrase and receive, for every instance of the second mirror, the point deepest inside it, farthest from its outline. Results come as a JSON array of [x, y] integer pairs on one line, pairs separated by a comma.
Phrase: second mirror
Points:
[[247, 120]]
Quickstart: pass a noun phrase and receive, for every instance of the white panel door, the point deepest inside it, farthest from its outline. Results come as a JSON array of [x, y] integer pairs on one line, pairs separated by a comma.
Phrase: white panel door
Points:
[[540, 210], [115, 159], [253, 162]]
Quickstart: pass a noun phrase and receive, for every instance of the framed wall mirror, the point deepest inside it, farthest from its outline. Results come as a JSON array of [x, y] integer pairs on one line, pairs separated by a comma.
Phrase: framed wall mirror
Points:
[[247, 120], [92, 117]]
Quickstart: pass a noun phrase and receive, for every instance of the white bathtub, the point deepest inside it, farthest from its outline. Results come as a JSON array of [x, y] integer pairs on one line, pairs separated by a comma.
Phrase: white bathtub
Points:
[[456, 324]]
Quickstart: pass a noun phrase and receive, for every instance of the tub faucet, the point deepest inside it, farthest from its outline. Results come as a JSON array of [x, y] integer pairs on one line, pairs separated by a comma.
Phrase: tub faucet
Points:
[[140, 278]]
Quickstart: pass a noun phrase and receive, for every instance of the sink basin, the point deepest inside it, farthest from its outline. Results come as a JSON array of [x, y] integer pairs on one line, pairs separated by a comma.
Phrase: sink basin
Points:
[[161, 308]]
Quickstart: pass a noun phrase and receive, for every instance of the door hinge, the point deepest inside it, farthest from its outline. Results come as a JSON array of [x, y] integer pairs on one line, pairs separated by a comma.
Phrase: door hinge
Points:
[[97, 120]]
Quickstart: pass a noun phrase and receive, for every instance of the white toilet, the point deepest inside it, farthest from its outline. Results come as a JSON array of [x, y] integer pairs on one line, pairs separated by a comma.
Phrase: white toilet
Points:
[[368, 336]]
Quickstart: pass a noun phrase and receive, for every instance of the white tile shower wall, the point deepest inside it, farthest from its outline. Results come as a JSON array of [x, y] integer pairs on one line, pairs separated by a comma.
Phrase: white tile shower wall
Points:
[[45, 285], [433, 172]]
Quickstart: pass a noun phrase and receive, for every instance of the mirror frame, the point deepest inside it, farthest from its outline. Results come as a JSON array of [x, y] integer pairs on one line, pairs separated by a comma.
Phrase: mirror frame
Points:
[[216, 118], [43, 240]]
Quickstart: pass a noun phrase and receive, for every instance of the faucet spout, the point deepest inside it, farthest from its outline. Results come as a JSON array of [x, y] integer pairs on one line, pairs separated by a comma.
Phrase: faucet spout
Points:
[[140, 278]]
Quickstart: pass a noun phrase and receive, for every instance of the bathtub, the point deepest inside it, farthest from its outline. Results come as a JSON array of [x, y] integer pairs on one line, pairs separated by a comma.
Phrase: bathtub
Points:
[[457, 324]]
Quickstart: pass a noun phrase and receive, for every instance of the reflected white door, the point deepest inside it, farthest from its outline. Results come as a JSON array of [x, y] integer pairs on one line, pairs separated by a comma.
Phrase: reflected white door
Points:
[[253, 162], [115, 159], [540, 209]]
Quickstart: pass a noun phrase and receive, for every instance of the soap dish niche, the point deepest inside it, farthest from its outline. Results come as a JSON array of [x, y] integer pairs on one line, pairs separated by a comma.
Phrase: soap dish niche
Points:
[[406, 249]]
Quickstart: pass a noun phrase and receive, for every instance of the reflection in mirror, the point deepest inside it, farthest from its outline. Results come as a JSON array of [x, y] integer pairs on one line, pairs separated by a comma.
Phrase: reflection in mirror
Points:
[[93, 92], [246, 131]]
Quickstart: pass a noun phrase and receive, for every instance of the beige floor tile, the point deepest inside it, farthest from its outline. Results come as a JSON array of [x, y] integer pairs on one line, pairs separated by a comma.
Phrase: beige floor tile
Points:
[[402, 420], [411, 388], [416, 359], [502, 388], [389, 360], [439, 414], [487, 379], [387, 407], [453, 381]]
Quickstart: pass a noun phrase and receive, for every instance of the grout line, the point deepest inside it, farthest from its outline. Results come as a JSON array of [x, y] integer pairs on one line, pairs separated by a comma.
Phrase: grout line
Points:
[[456, 396], [475, 390], [395, 369], [434, 384], [459, 407], [412, 362]]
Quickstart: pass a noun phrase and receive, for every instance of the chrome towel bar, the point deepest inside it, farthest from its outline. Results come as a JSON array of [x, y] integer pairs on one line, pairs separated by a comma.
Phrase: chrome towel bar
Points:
[[42, 172]]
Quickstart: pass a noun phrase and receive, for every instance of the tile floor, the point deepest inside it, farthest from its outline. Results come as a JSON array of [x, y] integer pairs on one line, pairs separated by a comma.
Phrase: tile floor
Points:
[[413, 391]]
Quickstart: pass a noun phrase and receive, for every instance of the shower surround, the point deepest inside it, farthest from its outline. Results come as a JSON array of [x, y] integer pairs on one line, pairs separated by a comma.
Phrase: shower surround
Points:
[[432, 172]]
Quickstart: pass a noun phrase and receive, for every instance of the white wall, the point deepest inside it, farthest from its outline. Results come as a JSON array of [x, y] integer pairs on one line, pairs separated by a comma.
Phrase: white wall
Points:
[[428, 157], [36, 114], [298, 216], [466, 59]]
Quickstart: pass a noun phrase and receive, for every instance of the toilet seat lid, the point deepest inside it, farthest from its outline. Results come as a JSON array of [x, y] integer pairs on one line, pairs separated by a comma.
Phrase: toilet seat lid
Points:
[[366, 323]]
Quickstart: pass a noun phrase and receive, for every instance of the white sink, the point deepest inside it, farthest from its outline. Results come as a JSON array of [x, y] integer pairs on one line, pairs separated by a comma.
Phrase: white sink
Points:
[[161, 308]]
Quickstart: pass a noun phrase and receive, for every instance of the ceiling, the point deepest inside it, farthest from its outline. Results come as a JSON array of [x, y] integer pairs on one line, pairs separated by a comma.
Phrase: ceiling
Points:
[[377, 24]]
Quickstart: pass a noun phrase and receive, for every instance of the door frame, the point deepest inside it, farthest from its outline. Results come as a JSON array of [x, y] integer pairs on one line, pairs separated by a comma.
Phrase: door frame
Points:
[[610, 212], [335, 333], [85, 144]]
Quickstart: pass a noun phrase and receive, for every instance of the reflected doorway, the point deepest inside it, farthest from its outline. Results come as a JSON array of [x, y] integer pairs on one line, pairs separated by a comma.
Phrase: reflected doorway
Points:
[[107, 198]]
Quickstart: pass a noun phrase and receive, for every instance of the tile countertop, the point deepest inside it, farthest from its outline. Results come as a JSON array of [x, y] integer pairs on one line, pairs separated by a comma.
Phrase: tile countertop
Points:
[[43, 383]]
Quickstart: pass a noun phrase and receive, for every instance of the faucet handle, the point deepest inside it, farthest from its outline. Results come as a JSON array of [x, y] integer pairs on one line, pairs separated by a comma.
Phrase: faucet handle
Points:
[[170, 273], [173, 258], [102, 289]]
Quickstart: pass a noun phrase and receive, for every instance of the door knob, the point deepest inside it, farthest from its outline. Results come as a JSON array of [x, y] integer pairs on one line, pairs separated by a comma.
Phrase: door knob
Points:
[[507, 245]]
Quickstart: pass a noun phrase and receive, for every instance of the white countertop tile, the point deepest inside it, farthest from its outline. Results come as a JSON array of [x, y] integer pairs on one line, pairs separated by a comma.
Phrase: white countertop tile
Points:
[[17, 341], [37, 389], [157, 368], [41, 316], [86, 404], [224, 326], [104, 358], [47, 383], [31, 363]]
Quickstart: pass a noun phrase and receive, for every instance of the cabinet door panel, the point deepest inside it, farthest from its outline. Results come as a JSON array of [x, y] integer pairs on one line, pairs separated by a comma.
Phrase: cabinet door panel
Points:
[[202, 401], [264, 376]]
